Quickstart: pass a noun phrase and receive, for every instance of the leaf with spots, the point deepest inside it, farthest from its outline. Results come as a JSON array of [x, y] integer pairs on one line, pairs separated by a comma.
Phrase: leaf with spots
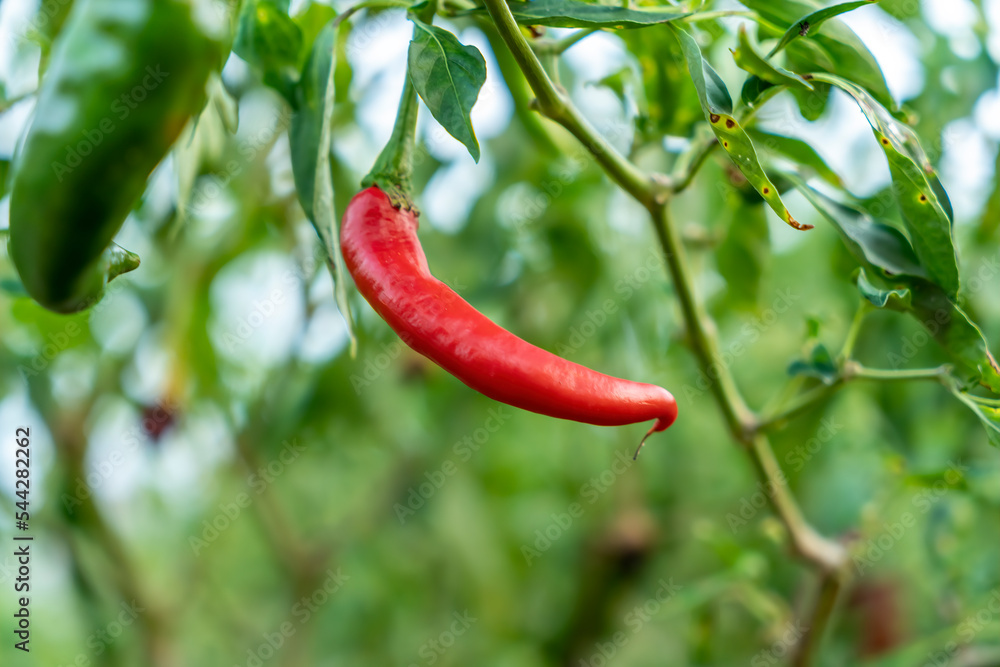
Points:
[[448, 76], [718, 107], [749, 60], [922, 201], [811, 22], [575, 14], [891, 264]]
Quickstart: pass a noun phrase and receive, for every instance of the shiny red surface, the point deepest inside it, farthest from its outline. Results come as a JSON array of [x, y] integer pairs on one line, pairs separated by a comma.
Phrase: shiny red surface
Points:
[[384, 256]]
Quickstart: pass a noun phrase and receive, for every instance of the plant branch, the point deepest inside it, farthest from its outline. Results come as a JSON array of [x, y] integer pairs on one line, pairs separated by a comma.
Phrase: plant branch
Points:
[[692, 162], [809, 545], [801, 403], [852, 333], [553, 104], [883, 375], [826, 600], [850, 370], [701, 330], [823, 554]]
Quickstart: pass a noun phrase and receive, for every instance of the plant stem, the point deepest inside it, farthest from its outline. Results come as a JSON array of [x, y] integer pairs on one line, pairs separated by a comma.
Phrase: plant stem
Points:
[[862, 373], [826, 600], [701, 328], [812, 547], [823, 554], [801, 403], [852, 333], [552, 103], [394, 166], [692, 162], [851, 370]]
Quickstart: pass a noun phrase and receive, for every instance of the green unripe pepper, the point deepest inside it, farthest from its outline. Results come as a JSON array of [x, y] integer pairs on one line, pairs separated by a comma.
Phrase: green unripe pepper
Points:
[[124, 79]]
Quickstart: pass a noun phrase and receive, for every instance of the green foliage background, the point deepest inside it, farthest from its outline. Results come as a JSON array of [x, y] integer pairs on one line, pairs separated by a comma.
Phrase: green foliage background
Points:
[[388, 471]]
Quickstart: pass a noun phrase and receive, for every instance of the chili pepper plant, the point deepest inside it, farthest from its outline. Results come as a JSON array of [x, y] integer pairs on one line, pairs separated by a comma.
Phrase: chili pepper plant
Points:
[[337, 326]]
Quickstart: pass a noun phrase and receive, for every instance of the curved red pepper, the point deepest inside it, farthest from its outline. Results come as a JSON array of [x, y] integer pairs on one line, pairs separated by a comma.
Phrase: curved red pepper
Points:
[[384, 256]]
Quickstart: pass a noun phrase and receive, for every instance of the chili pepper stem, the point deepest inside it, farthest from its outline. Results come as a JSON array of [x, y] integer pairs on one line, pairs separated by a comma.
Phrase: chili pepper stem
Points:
[[642, 442], [393, 169]]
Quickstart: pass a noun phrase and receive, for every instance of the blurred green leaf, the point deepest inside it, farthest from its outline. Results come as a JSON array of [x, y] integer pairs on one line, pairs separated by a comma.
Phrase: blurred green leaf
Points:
[[819, 365], [796, 150], [895, 299], [879, 247], [743, 256], [989, 415], [836, 49], [13, 287], [749, 60], [576, 14], [989, 222], [271, 42], [810, 23], [309, 136], [448, 76]]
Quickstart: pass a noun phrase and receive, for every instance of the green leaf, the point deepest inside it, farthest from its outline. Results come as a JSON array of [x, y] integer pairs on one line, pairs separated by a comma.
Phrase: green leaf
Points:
[[743, 256], [448, 76], [756, 91], [837, 49], [955, 331], [886, 252], [718, 108], [952, 477], [878, 247], [988, 415], [12, 287], [575, 14], [202, 142], [271, 42], [117, 260], [309, 135], [749, 60], [797, 151], [712, 92], [894, 299], [224, 103], [990, 220], [811, 22], [915, 185], [819, 365]]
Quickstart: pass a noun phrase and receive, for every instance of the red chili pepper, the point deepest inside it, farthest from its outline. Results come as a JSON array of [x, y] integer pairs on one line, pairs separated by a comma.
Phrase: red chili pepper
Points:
[[385, 258]]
